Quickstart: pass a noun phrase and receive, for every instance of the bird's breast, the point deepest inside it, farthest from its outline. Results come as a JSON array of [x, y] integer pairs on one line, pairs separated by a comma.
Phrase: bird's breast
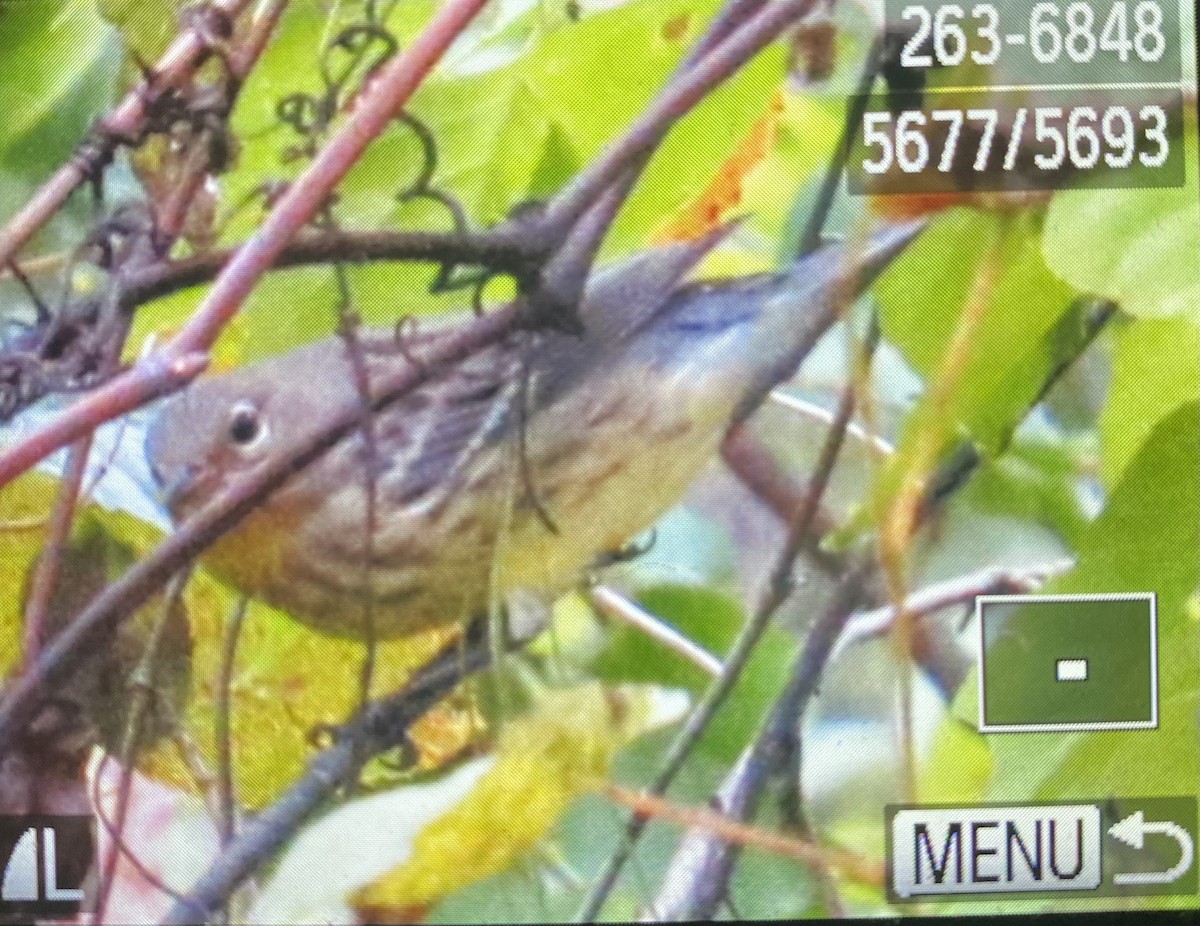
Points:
[[604, 467]]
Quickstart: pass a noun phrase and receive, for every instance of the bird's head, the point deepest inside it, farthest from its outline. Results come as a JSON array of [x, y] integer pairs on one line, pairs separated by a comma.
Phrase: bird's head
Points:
[[223, 426]]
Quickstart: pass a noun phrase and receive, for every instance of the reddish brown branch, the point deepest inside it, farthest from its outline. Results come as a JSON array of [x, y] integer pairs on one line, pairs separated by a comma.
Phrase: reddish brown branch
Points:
[[150, 378], [751, 461], [49, 564], [174, 70], [258, 33]]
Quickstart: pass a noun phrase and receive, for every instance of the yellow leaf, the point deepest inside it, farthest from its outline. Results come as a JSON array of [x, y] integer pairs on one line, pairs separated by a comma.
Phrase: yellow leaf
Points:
[[544, 762]]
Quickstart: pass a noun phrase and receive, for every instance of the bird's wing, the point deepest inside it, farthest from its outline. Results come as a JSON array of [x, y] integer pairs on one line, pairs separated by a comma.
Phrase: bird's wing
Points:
[[485, 400], [624, 296], [620, 301], [443, 426]]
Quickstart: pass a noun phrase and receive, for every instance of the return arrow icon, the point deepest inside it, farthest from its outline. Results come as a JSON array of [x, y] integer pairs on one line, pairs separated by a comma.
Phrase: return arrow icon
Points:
[[1132, 831]]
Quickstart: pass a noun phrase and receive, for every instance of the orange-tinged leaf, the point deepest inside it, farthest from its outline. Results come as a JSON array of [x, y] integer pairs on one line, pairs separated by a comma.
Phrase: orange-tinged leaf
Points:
[[724, 191]]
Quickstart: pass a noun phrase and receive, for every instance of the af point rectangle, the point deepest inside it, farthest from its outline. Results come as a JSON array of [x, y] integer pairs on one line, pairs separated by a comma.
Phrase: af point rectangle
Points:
[[1067, 663]]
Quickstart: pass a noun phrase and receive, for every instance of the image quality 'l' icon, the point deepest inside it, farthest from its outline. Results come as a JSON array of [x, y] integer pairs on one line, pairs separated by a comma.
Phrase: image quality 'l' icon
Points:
[[45, 860]]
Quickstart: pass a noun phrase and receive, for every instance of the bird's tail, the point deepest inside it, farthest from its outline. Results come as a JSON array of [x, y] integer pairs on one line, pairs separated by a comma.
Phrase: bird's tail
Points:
[[752, 333], [805, 300]]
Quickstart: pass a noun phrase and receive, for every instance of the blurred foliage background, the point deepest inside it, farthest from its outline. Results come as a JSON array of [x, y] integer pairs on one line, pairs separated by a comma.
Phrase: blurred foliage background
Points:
[[1104, 470]]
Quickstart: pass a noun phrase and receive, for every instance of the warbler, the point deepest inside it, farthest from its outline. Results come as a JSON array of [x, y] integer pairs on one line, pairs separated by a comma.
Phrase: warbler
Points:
[[515, 469]]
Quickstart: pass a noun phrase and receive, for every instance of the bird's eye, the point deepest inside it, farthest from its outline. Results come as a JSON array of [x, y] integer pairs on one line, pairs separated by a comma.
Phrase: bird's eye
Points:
[[245, 425]]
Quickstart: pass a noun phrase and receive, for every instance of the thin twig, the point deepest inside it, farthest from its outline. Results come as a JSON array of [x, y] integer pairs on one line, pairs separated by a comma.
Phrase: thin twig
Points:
[[372, 460], [142, 683], [223, 723], [903, 516], [955, 471], [171, 218], [816, 412], [961, 590], [610, 602], [118, 839], [506, 249], [174, 70], [697, 880], [383, 725], [751, 461], [857, 868], [814, 228], [49, 564]]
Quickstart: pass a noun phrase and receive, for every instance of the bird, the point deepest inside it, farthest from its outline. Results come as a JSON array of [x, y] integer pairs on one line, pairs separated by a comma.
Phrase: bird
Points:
[[518, 468]]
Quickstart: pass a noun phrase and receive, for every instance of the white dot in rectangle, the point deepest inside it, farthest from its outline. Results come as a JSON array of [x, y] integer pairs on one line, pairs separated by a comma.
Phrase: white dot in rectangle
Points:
[[1071, 670]]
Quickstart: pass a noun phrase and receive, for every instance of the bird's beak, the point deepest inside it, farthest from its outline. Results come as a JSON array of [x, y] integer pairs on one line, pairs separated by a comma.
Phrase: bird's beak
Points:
[[174, 481], [177, 487]]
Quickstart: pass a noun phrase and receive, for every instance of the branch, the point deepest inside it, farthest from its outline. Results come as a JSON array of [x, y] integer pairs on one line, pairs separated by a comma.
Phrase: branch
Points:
[[377, 106], [509, 248], [174, 70], [953, 474], [259, 31], [961, 590], [49, 563], [379, 727]]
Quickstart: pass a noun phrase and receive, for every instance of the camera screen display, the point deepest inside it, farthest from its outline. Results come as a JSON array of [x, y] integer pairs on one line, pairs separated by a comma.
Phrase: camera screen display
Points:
[[489, 461]]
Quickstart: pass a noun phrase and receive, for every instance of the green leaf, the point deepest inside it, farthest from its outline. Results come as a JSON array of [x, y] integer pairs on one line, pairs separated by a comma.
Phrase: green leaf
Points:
[[1137, 247], [1145, 539], [60, 63], [924, 294], [1156, 369], [958, 767], [147, 26], [1036, 480]]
